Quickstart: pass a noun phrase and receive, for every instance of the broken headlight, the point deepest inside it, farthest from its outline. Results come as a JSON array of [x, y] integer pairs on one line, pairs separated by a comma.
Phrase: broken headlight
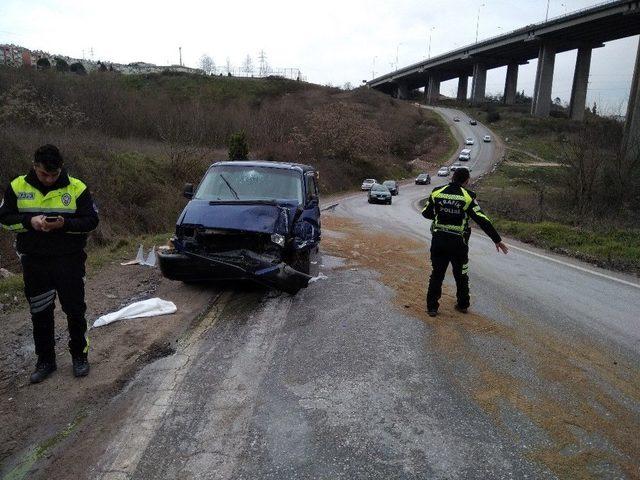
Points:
[[277, 239]]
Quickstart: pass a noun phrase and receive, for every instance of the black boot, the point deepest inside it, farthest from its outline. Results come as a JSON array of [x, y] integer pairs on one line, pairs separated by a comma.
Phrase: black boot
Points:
[[42, 371], [80, 365]]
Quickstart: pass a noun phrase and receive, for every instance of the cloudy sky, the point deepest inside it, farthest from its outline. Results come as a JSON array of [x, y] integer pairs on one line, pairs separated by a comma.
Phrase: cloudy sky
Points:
[[332, 42]]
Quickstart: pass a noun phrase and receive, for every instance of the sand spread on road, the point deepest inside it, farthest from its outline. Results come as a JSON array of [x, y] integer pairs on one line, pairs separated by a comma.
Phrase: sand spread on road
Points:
[[586, 398]]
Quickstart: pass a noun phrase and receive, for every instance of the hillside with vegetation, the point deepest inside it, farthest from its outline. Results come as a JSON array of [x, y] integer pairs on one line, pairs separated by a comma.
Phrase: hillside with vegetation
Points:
[[565, 185], [136, 139]]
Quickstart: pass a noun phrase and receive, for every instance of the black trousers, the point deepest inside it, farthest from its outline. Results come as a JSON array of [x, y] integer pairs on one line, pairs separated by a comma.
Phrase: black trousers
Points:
[[44, 277], [448, 248]]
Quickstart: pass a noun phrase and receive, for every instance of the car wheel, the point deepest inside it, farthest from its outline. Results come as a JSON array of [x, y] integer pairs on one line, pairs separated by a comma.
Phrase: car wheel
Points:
[[302, 261], [369, 200]]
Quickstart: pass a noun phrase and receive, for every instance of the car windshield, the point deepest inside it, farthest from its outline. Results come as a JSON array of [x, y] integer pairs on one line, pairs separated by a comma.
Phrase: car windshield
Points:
[[422, 175], [389, 183], [379, 188], [243, 183]]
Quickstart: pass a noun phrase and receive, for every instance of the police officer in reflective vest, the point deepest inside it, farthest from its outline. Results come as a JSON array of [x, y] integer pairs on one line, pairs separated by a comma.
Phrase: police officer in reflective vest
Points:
[[52, 213], [449, 208]]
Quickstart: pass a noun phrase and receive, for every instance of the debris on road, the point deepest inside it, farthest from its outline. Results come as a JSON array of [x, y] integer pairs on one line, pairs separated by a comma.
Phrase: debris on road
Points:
[[321, 276], [152, 307], [149, 261]]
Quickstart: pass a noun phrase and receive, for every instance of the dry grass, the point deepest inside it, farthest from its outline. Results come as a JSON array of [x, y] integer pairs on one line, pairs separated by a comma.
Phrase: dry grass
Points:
[[594, 383]]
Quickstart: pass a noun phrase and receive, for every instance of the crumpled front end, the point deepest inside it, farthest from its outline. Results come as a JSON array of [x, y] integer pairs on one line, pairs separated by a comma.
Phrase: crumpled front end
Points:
[[214, 254]]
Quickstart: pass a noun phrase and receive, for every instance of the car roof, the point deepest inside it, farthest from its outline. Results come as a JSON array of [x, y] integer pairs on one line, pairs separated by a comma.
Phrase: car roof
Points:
[[389, 181], [265, 163]]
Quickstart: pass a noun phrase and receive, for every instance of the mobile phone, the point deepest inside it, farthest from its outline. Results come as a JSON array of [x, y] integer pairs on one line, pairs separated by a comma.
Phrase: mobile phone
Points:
[[51, 219]]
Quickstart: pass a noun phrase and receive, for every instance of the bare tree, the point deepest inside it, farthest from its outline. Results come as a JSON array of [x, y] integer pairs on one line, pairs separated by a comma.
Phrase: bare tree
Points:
[[228, 66], [207, 64], [247, 66], [584, 157]]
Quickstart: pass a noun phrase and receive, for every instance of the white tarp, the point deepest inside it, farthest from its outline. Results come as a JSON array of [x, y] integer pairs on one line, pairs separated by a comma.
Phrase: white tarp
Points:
[[146, 308]]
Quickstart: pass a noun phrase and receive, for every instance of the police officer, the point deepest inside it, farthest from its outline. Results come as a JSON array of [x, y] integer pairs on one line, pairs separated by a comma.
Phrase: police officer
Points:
[[449, 207], [52, 213]]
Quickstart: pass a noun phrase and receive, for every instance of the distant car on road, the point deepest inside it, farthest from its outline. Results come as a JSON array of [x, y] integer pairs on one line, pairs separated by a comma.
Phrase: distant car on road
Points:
[[487, 138], [472, 122], [368, 183], [379, 194], [456, 119], [423, 179], [469, 141], [443, 172], [465, 155], [455, 166], [393, 186]]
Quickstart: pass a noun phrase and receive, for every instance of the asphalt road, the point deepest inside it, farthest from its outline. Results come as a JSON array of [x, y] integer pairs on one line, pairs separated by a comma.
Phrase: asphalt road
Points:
[[338, 383]]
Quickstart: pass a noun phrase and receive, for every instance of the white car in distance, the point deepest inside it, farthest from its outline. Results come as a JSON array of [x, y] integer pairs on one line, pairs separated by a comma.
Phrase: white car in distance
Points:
[[443, 172], [465, 155], [487, 138], [468, 141]]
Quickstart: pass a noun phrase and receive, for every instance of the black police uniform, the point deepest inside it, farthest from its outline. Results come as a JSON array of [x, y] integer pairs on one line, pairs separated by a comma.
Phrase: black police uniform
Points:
[[52, 262], [449, 207]]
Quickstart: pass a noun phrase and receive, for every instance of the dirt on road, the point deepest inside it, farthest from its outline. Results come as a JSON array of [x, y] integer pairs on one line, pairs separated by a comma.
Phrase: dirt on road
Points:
[[591, 425], [36, 417]]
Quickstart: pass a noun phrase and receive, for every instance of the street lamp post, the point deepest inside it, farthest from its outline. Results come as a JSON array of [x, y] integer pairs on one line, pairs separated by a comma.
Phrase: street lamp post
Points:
[[397, 50], [478, 21], [430, 32], [546, 17]]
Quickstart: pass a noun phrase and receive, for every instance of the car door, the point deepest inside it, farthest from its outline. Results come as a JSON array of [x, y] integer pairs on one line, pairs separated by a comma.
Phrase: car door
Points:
[[311, 212]]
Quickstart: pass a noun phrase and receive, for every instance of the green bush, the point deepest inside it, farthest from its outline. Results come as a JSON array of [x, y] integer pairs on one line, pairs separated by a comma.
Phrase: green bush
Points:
[[238, 148]]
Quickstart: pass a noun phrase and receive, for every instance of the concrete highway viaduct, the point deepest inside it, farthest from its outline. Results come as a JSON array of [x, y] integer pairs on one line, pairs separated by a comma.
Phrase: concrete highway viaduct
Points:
[[582, 30]]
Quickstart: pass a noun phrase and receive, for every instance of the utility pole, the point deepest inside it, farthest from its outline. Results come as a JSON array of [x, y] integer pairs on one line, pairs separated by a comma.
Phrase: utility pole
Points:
[[262, 57], [373, 70], [397, 50], [180, 51]]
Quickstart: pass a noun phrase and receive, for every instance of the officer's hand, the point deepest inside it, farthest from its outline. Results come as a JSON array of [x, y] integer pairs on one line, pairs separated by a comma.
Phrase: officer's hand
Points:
[[501, 246], [49, 226], [37, 223]]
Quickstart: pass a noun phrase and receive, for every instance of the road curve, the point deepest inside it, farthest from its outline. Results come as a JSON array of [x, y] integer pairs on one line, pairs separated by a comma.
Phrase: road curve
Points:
[[561, 293]]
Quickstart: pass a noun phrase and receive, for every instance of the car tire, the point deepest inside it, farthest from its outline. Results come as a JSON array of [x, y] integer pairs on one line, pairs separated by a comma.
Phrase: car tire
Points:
[[302, 261], [369, 200]]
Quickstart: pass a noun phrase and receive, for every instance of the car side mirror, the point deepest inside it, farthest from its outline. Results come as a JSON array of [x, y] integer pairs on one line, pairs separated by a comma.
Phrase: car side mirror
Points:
[[188, 191]]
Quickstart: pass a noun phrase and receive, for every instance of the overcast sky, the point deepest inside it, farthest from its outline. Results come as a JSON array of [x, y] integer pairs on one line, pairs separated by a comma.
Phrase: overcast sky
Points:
[[333, 41]]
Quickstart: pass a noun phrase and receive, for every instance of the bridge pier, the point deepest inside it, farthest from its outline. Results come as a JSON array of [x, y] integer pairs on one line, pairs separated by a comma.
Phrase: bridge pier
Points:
[[479, 83], [463, 82], [580, 82], [511, 84], [631, 136], [433, 89], [541, 105], [402, 91]]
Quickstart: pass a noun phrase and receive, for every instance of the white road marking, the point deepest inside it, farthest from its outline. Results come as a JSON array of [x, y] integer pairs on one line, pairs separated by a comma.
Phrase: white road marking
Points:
[[566, 264]]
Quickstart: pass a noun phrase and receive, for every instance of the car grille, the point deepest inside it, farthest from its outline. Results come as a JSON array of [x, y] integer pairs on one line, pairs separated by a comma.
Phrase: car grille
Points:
[[214, 241]]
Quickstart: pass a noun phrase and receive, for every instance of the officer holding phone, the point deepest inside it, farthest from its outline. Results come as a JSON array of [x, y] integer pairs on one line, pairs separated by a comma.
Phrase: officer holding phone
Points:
[[52, 213]]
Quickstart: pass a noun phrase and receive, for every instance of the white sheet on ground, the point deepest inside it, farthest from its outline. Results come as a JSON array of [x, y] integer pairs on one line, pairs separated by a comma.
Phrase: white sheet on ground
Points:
[[152, 307]]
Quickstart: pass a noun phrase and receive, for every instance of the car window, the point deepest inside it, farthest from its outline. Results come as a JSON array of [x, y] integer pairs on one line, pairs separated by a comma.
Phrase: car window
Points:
[[379, 188], [310, 187], [229, 183]]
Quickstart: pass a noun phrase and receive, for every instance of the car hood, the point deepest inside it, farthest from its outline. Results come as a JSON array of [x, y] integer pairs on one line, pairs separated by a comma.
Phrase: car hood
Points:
[[261, 217]]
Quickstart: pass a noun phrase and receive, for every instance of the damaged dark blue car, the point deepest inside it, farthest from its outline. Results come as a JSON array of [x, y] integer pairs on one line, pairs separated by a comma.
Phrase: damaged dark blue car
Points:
[[251, 220]]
